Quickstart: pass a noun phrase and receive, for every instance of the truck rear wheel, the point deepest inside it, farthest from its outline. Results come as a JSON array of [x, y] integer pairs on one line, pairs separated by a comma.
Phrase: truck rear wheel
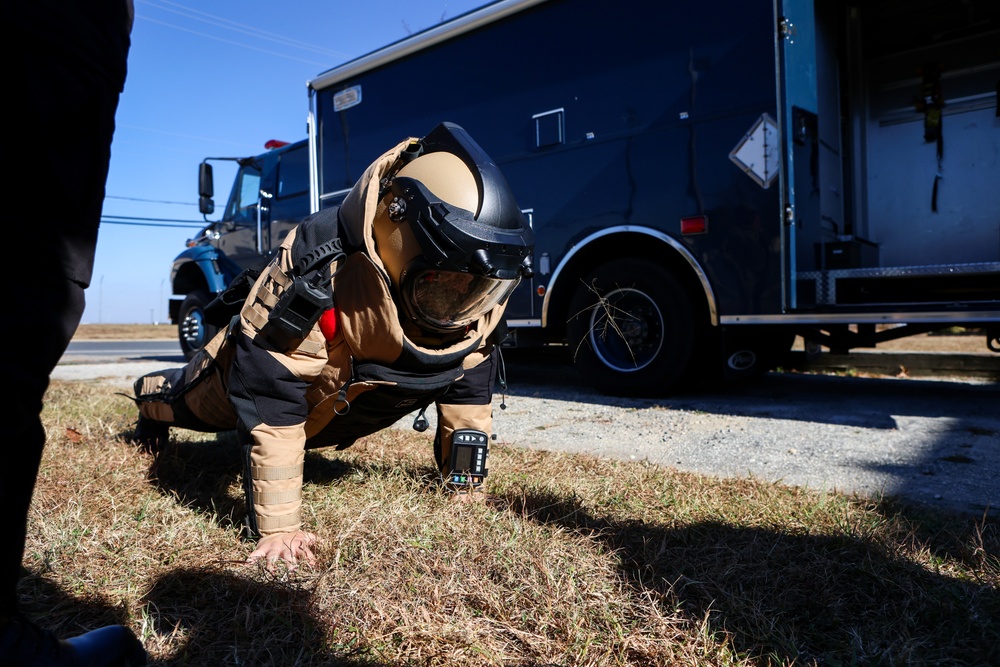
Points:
[[192, 329], [632, 330]]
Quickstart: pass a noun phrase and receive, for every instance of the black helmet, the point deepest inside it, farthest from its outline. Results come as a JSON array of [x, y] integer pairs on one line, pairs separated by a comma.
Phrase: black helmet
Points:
[[449, 232]]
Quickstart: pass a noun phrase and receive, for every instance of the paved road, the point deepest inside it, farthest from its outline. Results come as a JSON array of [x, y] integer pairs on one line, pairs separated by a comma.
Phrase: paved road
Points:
[[84, 351], [932, 441]]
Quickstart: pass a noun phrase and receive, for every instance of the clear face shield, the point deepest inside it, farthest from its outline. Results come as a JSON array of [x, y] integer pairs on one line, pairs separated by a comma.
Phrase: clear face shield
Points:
[[449, 300]]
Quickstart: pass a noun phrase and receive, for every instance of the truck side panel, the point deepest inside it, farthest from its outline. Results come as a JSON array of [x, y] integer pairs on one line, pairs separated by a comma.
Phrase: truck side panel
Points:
[[597, 120], [670, 191]]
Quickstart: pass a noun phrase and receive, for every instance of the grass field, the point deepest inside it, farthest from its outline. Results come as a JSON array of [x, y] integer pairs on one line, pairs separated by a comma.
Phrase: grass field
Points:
[[575, 562], [126, 332], [961, 342]]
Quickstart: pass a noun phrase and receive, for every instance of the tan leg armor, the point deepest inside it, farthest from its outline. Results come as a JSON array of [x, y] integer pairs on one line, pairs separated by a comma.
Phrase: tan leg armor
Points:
[[192, 397]]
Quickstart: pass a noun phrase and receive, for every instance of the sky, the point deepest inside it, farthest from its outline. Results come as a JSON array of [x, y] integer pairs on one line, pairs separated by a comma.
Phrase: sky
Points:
[[216, 78]]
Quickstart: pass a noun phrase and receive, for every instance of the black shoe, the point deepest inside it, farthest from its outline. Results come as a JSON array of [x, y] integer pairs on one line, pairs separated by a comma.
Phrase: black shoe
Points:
[[24, 644], [149, 435]]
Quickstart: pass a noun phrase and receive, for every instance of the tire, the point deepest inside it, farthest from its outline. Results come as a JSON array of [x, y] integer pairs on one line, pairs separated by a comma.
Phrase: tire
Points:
[[192, 329], [632, 329]]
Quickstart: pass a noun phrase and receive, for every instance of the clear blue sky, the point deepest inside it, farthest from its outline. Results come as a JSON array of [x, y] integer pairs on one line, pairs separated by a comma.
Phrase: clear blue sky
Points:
[[216, 79]]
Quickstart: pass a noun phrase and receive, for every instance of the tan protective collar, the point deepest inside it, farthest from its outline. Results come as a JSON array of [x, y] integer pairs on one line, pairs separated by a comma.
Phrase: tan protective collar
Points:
[[357, 212]]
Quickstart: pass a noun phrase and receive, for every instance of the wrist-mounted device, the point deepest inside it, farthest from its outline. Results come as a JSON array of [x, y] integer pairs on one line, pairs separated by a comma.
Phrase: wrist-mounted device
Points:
[[468, 459]]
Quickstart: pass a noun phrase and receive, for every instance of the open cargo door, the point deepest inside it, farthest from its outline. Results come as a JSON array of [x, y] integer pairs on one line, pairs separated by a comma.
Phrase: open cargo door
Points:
[[795, 53]]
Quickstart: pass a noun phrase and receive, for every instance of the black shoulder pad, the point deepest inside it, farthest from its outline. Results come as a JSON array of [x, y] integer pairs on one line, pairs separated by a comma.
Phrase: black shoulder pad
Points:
[[317, 239]]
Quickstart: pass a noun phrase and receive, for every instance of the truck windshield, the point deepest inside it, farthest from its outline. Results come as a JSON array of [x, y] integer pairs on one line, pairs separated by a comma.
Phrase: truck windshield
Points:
[[246, 193]]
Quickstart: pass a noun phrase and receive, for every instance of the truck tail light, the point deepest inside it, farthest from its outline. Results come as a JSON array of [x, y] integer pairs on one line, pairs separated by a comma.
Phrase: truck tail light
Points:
[[695, 224]]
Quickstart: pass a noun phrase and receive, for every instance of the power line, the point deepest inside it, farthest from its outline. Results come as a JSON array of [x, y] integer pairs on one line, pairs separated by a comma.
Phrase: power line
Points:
[[242, 145], [229, 41], [221, 22], [153, 201], [151, 222], [132, 217]]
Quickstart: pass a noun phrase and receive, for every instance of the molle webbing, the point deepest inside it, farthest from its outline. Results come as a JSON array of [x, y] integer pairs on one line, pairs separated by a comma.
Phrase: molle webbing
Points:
[[256, 313], [269, 473], [264, 297], [278, 497], [267, 524], [266, 499]]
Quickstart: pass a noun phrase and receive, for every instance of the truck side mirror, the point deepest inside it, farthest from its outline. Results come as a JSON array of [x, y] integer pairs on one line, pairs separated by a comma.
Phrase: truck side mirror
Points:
[[206, 205], [206, 189]]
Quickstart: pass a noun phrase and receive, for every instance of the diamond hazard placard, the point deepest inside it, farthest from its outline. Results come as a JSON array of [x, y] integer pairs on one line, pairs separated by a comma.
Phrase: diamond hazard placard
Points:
[[757, 153]]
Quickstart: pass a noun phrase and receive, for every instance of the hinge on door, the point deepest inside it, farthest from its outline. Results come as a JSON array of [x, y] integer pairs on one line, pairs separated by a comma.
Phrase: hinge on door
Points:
[[786, 28]]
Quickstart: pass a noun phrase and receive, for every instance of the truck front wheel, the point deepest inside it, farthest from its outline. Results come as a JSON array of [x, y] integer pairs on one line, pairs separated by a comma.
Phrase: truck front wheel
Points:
[[192, 329], [632, 330]]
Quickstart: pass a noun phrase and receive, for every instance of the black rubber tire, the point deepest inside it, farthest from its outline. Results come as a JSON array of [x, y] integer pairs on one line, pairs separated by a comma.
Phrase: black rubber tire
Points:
[[192, 329], [632, 329]]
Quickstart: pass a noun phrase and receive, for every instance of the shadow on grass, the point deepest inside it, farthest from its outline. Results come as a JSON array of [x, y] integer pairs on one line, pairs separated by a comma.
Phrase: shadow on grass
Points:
[[798, 598], [53, 609], [200, 474], [226, 619], [781, 597]]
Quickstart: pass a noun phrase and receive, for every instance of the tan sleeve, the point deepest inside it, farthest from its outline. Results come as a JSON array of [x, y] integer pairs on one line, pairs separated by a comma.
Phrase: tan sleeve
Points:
[[276, 461], [468, 404], [454, 417]]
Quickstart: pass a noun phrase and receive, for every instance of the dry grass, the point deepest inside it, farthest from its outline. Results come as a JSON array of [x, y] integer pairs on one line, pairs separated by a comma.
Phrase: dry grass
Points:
[[578, 561], [126, 332], [955, 341]]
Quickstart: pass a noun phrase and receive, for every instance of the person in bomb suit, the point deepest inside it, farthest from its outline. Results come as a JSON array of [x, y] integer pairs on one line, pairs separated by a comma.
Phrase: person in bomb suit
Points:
[[370, 311]]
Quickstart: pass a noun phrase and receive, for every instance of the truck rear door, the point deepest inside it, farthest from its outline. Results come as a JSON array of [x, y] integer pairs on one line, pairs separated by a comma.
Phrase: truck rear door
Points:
[[797, 118]]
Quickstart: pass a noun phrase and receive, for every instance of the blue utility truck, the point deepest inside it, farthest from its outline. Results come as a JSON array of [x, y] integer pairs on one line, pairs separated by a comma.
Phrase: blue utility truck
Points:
[[707, 180], [270, 195]]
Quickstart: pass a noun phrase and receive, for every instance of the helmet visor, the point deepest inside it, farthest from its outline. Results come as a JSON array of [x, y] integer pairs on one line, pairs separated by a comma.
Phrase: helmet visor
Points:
[[448, 300]]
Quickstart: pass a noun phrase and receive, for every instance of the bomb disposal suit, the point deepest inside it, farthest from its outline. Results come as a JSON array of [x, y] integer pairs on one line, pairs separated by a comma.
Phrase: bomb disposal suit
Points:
[[368, 312]]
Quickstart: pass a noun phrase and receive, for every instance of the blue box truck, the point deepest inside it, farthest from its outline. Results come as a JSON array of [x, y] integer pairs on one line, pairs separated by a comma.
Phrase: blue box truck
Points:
[[707, 180]]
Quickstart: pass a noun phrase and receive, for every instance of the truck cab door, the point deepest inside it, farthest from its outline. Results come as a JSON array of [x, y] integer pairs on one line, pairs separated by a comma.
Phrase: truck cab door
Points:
[[284, 198], [290, 203], [239, 236], [795, 41]]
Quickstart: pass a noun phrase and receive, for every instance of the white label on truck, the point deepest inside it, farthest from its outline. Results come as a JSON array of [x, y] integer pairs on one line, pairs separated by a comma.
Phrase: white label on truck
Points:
[[757, 152], [347, 98]]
